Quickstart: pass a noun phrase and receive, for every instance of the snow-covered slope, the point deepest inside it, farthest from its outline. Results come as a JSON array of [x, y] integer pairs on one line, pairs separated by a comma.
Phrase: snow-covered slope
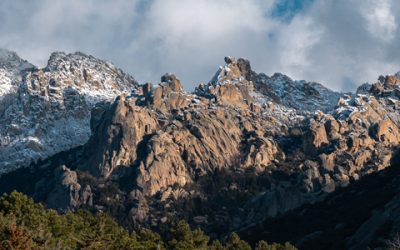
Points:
[[46, 111], [97, 80], [11, 69], [300, 95]]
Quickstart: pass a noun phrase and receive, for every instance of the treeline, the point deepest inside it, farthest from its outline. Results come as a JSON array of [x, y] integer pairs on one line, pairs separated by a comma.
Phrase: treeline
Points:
[[25, 224]]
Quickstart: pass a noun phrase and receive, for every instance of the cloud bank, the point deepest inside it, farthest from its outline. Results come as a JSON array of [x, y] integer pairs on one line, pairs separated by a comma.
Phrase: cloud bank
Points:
[[340, 43]]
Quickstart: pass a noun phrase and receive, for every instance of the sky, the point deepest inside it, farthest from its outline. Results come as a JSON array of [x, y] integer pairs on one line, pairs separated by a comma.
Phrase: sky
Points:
[[339, 43]]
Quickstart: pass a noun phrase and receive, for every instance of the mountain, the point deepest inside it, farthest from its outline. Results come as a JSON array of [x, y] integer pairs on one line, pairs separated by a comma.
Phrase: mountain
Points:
[[46, 111], [242, 149]]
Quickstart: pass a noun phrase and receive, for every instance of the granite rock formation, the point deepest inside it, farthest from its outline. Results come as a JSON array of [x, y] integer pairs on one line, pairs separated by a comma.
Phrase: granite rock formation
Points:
[[46, 111], [240, 149]]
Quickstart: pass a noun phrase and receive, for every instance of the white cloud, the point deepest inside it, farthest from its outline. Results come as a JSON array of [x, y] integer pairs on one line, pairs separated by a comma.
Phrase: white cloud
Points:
[[381, 22], [192, 37], [335, 42], [296, 44], [341, 51]]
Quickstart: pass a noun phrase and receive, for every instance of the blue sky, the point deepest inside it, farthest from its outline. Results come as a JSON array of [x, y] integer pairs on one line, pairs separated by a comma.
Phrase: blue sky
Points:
[[285, 10], [340, 43]]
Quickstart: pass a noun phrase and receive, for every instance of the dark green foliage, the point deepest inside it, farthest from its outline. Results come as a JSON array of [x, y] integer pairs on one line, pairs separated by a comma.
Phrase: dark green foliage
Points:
[[263, 245], [216, 245], [25, 224], [150, 240], [45, 229], [235, 243], [184, 238]]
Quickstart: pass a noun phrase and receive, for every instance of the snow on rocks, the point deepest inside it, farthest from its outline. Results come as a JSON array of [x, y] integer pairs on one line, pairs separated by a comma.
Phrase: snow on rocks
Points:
[[12, 67], [46, 111]]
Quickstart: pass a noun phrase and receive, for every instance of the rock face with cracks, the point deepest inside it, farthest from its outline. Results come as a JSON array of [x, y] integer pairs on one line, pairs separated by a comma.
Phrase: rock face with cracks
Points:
[[240, 149], [167, 144]]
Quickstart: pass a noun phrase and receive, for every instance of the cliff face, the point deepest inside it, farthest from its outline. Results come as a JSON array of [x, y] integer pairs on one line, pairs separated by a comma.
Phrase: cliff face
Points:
[[171, 153], [241, 149]]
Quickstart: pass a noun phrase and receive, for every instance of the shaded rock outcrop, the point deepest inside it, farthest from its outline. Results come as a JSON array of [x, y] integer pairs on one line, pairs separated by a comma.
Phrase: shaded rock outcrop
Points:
[[67, 192], [115, 141]]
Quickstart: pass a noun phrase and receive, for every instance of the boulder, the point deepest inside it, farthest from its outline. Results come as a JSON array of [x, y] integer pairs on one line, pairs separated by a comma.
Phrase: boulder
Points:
[[67, 193]]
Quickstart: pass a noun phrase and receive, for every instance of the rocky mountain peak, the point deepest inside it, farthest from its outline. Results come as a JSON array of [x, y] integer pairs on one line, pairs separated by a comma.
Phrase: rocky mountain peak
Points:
[[166, 96], [94, 78], [10, 59], [62, 60], [47, 110], [231, 84], [235, 71], [297, 94], [387, 86], [12, 69], [238, 85], [172, 81]]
